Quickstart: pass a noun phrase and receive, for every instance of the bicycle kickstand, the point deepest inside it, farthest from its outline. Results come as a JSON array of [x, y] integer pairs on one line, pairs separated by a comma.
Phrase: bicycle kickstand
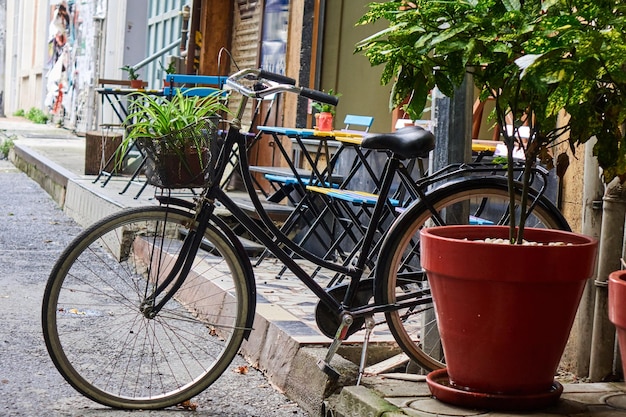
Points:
[[369, 326], [340, 336]]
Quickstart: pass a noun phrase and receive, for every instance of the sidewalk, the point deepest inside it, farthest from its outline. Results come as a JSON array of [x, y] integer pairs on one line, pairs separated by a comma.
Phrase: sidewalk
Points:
[[286, 344]]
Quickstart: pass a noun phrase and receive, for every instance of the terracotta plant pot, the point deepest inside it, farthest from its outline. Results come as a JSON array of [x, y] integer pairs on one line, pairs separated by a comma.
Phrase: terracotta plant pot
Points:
[[617, 310], [325, 122], [504, 312], [136, 84]]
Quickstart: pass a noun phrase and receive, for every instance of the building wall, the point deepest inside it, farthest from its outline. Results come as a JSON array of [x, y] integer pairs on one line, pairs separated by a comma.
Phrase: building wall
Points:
[[348, 73], [25, 41]]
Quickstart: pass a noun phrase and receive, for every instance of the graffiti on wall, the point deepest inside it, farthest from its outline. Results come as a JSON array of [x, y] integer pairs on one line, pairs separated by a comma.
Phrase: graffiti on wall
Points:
[[57, 80]]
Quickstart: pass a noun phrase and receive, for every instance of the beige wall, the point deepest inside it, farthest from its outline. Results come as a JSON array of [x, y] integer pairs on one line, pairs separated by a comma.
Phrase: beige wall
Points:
[[27, 23], [349, 74]]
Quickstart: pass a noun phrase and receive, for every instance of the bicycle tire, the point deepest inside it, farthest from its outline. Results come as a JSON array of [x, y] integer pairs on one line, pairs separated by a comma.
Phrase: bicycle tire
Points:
[[111, 352], [399, 274]]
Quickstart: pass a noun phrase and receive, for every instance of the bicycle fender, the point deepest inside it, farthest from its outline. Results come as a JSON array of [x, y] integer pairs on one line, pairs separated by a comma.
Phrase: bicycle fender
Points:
[[173, 201], [495, 181], [223, 228]]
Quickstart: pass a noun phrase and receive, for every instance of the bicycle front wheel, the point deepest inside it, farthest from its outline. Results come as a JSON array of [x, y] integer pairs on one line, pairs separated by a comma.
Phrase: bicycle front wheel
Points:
[[473, 201], [99, 321]]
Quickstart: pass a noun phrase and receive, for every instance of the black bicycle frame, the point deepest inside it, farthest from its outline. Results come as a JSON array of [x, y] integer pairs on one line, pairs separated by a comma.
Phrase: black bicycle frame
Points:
[[276, 241]]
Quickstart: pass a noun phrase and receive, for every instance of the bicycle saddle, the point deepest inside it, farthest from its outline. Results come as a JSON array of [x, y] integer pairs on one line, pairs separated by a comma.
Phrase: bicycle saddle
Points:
[[408, 142]]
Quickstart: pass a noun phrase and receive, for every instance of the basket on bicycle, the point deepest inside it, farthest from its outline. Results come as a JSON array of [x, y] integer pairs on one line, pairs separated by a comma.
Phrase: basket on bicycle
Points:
[[183, 158]]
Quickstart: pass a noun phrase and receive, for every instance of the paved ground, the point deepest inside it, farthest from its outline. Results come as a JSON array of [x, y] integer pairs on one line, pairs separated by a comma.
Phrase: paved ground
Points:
[[34, 231], [289, 308]]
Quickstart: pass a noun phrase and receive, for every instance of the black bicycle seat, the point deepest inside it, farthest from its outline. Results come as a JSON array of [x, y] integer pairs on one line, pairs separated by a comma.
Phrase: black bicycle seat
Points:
[[408, 142]]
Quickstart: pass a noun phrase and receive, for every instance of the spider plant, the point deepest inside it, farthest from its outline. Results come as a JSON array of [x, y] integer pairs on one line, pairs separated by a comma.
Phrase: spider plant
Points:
[[158, 118]]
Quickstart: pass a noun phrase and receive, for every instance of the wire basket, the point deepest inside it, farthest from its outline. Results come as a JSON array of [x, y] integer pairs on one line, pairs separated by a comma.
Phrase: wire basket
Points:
[[184, 158]]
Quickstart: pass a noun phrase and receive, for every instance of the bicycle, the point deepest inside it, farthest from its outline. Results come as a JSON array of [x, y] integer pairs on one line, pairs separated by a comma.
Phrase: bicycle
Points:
[[147, 307]]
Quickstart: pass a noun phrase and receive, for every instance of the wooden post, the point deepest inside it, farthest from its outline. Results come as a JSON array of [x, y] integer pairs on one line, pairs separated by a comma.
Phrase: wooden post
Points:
[[216, 27]]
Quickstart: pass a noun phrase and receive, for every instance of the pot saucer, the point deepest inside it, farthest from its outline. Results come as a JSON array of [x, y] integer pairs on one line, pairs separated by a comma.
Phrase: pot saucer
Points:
[[440, 387]]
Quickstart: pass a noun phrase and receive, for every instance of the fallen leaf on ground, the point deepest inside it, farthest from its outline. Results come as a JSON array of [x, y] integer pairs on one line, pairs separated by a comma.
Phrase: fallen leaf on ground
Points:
[[188, 405], [243, 370]]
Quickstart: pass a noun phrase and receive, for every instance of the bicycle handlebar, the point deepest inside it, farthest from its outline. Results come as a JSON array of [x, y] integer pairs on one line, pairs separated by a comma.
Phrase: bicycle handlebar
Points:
[[282, 79], [319, 96], [277, 84]]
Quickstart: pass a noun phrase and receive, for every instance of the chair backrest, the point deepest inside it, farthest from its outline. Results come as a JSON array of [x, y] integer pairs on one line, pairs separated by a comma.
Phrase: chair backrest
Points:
[[363, 122], [196, 85]]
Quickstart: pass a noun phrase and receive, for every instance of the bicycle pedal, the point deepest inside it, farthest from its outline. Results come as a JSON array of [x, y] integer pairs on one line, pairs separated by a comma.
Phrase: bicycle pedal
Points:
[[328, 370]]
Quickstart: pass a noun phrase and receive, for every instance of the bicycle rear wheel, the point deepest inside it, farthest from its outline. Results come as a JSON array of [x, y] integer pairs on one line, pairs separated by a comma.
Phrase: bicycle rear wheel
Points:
[[97, 322], [473, 201]]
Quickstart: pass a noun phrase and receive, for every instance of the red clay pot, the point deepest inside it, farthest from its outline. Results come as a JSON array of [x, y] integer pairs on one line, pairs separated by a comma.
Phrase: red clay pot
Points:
[[136, 84], [325, 122], [504, 311], [617, 310]]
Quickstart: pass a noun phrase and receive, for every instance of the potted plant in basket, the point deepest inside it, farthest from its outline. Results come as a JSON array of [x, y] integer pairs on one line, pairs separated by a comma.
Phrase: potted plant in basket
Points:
[[133, 76], [325, 115], [177, 135], [538, 61]]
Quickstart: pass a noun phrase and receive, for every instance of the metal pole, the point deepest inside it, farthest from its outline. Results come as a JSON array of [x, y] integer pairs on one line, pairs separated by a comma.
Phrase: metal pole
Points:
[[610, 252], [452, 124], [452, 121], [156, 55]]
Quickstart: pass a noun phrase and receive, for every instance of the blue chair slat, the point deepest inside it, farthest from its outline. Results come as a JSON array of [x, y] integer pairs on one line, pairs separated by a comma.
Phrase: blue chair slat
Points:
[[355, 120], [479, 222], [191, 91], [288, 180], [193, 85], [196, 79]]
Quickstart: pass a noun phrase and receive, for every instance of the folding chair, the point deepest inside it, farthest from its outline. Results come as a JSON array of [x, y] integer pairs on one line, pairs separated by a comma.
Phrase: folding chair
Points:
[[350, 204], [335, 222], [115, 93]]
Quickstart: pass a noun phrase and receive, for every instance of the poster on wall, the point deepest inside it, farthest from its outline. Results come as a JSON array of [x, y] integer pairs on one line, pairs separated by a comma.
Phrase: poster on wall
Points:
[[57, 84], [274, 39], [70, 63]]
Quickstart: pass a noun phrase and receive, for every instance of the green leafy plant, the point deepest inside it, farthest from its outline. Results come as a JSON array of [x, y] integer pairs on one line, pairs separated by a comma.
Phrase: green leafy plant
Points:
[[132, 73], [538, 60], [36, 115], [325, 107], [5, 147], [19, 113], [157, 118], [170, 69]]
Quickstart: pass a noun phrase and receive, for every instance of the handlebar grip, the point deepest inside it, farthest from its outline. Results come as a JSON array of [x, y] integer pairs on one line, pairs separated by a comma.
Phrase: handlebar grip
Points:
[[281, 79], [319, 96]]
